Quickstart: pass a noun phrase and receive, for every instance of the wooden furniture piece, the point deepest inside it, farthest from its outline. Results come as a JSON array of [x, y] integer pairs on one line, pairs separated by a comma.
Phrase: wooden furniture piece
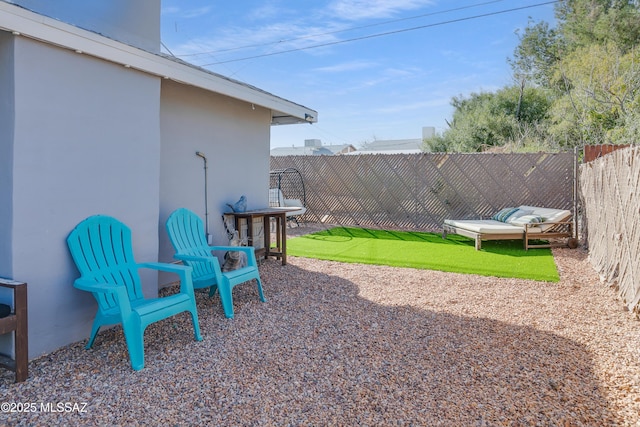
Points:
[[553, 224], [280, 217], [102, 249], [188, 237], [17, 322]]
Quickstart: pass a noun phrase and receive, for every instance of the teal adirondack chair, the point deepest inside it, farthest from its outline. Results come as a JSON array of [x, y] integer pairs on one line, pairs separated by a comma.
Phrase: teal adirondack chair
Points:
[[101, 248], [187, 235]]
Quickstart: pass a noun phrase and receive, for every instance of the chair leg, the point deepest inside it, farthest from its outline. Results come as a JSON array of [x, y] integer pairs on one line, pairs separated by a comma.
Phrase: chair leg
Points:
[[134, 336], [212, 290], [226, 299], [94, 332], [260, 290], [196, 324]]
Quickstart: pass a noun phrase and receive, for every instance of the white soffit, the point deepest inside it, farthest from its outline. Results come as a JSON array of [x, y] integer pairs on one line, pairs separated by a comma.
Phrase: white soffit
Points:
[[22, 22]]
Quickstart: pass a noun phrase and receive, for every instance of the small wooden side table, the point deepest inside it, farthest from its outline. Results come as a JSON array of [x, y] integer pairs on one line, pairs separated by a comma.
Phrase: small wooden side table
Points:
[[17, 322], [280, 216]]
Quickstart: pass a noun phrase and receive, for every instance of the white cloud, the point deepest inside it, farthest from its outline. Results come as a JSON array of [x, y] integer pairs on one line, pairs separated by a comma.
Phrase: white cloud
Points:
[[186, 13], [195, 13], [346, 66], [241, 41], [353, 10], [267, 11], [170, 10]]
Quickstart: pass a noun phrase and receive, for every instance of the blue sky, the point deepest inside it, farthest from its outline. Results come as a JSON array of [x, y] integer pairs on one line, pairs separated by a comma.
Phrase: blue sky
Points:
[[365, 85]]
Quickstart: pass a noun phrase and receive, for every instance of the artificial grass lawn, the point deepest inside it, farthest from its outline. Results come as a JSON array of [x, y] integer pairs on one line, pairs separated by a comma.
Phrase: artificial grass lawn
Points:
[[429, 251]]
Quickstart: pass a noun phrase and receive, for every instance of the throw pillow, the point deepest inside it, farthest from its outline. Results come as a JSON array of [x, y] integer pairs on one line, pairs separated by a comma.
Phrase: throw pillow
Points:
[[517, 214], [504, 214], [527, 219]]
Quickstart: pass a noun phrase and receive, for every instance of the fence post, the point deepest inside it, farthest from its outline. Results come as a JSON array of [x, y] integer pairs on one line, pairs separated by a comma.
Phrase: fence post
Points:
[[576, 201]]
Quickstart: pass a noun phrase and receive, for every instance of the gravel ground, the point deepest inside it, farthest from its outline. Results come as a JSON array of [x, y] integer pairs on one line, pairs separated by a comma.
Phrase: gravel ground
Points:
[[354, 345]]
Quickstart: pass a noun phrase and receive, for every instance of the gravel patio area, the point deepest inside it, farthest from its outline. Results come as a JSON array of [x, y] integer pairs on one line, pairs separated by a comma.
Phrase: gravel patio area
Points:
[[355, 345]]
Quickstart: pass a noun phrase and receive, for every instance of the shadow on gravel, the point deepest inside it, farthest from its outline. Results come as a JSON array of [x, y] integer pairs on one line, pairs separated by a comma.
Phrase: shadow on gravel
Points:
[[318, 354]]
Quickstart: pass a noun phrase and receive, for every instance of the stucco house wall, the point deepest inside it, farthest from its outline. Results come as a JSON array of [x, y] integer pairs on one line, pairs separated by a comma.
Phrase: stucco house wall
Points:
[[6, 150], [85, 141], [234, 136], [89, 125]]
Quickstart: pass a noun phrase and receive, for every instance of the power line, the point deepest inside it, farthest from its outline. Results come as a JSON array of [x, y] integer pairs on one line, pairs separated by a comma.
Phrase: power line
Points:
[[339, 31], [404, 30]]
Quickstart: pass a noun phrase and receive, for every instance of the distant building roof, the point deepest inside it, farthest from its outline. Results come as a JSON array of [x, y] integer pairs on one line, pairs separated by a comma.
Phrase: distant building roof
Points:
[[301, 151], [340, 148], [392, 146], [313, 150]]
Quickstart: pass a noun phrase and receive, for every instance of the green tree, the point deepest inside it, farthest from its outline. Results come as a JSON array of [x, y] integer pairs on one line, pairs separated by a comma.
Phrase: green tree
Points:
[[589, 62], [535, 57], [587, 22], [602, 96], [577, 83], [485, 120]]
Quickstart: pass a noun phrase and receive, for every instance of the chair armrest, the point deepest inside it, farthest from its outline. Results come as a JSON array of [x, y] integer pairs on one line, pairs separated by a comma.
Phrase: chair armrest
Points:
[[249, 250], [231, 248], [93, 286], [184, 271], [119, 291], [163, 266], [192, 258]]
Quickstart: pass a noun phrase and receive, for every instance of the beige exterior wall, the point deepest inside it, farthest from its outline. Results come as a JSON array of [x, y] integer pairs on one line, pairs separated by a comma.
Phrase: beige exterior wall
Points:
[[85, 141], [233, 135]]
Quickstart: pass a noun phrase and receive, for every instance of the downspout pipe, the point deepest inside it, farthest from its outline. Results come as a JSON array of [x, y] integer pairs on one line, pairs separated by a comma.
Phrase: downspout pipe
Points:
[[206, 203]]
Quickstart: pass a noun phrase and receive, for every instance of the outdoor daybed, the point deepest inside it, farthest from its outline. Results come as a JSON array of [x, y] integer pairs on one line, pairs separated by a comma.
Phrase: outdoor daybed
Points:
[[528, 223]]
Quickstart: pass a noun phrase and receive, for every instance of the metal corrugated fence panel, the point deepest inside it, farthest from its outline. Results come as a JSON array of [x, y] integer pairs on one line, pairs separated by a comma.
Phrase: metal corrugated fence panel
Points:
[[420, 191], [592, 152]]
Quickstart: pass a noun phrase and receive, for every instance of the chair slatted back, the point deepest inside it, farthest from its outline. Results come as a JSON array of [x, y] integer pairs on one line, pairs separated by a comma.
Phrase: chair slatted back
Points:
[[187, 235], [102, 250]]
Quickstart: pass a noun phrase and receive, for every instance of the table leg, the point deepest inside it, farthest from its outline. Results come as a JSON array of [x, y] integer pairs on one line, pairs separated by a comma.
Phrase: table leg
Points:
[[266, 224], [283, 235], [236, 221], [250, 231]]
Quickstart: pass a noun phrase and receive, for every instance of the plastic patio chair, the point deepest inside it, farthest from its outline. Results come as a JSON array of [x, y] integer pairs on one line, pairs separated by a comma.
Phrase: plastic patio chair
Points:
[[188, 237], [101, 249]]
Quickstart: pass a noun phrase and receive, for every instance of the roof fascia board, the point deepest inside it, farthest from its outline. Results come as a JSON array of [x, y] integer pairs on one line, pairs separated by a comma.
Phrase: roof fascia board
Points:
[[23, 22]]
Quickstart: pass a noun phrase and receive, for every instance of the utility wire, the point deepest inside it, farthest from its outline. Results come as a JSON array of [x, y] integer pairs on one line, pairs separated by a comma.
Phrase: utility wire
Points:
[[404, 30], [377, 24], [168, 50]]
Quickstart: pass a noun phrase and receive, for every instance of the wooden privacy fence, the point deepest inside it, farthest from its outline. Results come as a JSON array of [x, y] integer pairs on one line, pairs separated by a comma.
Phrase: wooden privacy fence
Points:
[[610, 192], [420, 191]]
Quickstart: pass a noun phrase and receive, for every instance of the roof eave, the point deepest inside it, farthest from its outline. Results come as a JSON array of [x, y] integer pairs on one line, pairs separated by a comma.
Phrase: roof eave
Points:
[[22, 22]]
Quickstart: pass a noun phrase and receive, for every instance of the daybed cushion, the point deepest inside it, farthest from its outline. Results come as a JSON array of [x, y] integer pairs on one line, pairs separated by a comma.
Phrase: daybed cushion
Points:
[[523, 215], [548, 215]]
